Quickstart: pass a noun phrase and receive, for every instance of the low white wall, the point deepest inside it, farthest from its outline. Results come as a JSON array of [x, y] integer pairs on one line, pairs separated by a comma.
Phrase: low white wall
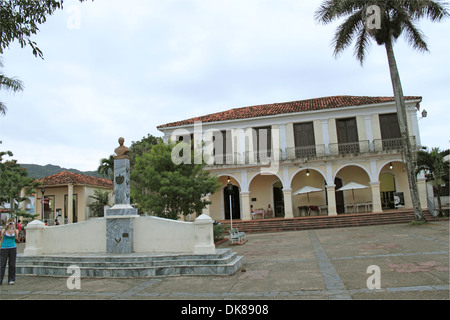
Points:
[[151, 235], [154, 235], [83, 237]]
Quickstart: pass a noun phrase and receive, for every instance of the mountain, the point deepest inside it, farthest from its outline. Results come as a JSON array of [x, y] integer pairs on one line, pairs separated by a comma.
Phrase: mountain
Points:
[[37, 171]]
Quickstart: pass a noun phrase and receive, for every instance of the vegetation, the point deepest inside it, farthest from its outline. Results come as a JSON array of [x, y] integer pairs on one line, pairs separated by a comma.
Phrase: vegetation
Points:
[[106, 167], [7, 83], [13, 178], [20, 19], [37, 171], [101, 200], [394, 17], [436, 169], [166, 189], [218, 231]]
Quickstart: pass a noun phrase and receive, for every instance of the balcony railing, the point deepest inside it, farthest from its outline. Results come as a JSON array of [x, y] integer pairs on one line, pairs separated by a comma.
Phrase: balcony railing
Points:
[[362, 146], [395, 144], [265, 157]]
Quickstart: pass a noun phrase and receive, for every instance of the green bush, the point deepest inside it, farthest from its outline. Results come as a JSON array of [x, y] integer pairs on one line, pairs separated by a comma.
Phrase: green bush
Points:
[[218, 231]]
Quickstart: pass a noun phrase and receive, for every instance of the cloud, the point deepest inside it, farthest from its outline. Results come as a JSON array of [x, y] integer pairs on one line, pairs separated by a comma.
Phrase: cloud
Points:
[[132, 66]]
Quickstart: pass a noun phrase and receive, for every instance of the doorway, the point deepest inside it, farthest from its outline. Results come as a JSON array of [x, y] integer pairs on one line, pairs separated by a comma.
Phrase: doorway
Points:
[[278, 199], [339, 195], [387, 190], [235, 203]]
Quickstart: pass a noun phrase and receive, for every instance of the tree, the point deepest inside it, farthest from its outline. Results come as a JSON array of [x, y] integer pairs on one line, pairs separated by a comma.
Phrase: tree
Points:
[[436, 169], [7, 83], [138, 148], [165, 189], [13, 178], [101, 200], [20, 19], [106, 167], [384, 21]]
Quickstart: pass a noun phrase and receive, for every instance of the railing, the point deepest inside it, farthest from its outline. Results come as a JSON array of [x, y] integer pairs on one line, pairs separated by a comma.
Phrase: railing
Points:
[[362, 146], [395, 144], [264, 157]]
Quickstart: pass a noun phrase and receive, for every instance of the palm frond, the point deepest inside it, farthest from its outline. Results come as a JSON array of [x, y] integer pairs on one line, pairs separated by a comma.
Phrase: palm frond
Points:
[[414, 36], [12, 84], [331, 10], [3, 108], [345, 33]]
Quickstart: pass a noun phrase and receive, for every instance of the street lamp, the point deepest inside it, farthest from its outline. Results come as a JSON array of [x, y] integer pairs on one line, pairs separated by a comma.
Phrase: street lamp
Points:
[[43, 201], [230, 190], [424, 114]]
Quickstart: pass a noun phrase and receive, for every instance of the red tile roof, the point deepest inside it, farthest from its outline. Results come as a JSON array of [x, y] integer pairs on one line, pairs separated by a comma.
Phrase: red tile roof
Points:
[[286, 107], [66, 177]]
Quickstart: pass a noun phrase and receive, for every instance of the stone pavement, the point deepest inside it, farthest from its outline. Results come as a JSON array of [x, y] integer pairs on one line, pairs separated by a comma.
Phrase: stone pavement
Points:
[[410, 262]]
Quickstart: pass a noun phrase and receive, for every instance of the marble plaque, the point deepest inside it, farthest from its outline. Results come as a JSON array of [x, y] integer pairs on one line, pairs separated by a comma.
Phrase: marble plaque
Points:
[[119, 236]]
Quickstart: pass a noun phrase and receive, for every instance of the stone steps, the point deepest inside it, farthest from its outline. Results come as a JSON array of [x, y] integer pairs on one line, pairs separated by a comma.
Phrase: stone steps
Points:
[[224, 262], [323, 222]]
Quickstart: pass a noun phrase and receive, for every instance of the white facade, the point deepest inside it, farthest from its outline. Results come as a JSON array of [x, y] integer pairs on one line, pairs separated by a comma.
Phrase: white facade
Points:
[[270, 172]]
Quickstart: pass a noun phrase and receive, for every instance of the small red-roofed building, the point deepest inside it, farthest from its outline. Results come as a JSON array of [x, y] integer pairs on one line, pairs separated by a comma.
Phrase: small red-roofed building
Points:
[[64, 188]]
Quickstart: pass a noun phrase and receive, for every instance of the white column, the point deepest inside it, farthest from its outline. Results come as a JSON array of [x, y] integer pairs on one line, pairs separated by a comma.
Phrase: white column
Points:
[[331, 189], [326, 136], [204, 236], [376, 198], [369, 133], [288, 213], [283, 144], [70, 203], [33, 246]]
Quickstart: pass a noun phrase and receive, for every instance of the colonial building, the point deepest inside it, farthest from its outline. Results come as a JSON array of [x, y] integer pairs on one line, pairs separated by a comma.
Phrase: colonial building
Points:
[[67, 196], [303, 157]]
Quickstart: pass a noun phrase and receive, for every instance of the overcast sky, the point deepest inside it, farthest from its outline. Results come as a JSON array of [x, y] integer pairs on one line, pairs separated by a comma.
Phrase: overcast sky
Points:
[[120, 68]]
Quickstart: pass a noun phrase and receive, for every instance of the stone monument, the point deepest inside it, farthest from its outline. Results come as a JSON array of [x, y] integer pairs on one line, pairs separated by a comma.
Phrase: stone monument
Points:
[[120, 217]]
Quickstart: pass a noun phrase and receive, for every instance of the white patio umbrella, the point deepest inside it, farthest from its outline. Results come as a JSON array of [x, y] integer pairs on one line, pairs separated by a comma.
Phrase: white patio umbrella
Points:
[[307, 190], [352, 186]]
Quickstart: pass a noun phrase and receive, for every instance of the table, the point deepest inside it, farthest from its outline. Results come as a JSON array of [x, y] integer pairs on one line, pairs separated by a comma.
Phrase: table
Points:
[[258, 212], [354, 207]]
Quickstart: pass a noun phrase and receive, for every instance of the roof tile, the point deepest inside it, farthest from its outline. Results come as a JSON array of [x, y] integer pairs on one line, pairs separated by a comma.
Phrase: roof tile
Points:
[[67, 177], [286, 107]]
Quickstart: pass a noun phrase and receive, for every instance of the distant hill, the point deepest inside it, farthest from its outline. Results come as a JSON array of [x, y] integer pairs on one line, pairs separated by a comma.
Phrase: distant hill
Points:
[[37, 171]]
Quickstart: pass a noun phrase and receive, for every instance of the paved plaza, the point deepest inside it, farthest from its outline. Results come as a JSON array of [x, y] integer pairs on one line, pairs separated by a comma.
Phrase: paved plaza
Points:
[[405, 262]]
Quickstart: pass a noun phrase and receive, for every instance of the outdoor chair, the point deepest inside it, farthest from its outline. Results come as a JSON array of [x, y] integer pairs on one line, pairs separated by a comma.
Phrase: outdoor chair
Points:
[[236, 236]]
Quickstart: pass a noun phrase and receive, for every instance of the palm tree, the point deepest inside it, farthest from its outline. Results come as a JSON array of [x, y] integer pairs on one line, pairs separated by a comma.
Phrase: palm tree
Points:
[[9, 84], [106, 167], [393, 18], [101, 200], [436, 168]]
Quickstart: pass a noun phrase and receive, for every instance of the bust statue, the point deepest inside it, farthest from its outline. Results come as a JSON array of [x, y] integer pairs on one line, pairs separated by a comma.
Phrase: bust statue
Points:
[[121, 151]]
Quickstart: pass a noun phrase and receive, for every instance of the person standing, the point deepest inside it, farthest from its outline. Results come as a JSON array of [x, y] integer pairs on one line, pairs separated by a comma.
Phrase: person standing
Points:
[[8, 251]]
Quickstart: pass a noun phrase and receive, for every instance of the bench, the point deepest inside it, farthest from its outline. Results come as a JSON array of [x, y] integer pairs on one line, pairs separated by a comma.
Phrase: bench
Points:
[[237, 237]]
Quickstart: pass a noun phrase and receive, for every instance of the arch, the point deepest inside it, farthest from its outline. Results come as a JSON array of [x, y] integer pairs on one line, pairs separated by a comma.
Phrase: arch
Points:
[[306, 168], [264, 190], [264, 173], [231, 176], [387, 162], [353, 164], [352, 199]]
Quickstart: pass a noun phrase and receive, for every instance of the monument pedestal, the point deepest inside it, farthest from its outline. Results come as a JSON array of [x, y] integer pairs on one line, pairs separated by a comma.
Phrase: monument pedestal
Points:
[[120, 217]]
